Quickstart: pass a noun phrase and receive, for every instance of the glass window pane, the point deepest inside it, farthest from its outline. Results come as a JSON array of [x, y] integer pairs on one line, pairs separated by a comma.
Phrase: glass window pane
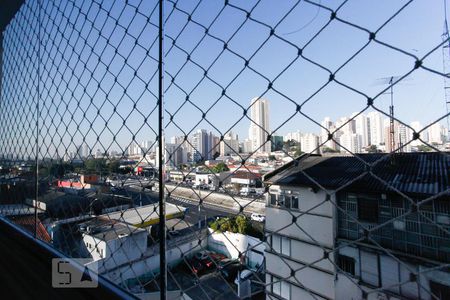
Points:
[[286, 246], [277, 286], [294, 202], [276, 242], [273, 199], [285, 290], [287, 201]]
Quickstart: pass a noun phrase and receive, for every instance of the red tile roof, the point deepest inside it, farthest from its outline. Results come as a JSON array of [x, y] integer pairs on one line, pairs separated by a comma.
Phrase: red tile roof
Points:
[[28, 223]]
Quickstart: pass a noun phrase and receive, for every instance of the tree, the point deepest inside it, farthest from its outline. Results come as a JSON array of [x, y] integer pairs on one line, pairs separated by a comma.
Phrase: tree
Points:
[[372, 149], [328, 150], [424, 148], [298, 152], [243, 224], [272, 157], [95, 165], [220, 167], [240, 224], [113, 166]]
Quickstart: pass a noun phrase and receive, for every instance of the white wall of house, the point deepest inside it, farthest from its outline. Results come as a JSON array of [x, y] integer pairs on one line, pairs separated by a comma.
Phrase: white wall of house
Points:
[[150, 264], [125, 248], [96, 247], [394, 274], [230, 244], [306, 245]]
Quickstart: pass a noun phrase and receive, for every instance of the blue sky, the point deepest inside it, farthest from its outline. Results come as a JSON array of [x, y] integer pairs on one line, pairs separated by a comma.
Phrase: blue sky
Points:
[[416, 30], [117, 60]]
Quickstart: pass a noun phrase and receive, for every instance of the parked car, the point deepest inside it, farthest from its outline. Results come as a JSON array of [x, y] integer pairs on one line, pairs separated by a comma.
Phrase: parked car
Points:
[[204, 258], [226, 262], [230, 271], [209, 259], [195, 266], [173, 234], [257, 217], [244, 275]]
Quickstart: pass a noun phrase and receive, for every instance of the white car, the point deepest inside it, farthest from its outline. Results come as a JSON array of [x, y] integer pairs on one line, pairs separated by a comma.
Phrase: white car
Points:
[[257, 217]]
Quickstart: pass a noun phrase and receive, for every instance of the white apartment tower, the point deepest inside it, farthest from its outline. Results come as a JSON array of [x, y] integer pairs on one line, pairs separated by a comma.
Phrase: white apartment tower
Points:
[[259, 126], [376, 128], [309, 143], [362, 128]]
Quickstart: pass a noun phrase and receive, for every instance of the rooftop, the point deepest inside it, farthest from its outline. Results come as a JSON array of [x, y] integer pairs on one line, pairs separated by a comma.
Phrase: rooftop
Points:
[[418, 173], [107, 230], [143, 216]]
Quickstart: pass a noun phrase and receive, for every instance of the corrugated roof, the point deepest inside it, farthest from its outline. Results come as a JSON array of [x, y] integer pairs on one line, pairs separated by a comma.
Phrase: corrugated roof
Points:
[[421, 173]]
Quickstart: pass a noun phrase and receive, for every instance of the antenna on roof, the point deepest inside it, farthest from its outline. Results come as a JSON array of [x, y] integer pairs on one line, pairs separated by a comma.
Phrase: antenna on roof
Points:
[[446, 63], [390, 80]]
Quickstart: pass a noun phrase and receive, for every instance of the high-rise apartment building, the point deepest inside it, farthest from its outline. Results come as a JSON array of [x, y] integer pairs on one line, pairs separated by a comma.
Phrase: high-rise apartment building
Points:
[[309, 143], [229, 145], [362, 128], [204, 145], [259, 126], [376, 128]]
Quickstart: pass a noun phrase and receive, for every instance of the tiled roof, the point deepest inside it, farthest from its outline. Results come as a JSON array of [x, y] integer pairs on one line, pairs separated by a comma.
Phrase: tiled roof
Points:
[[28, 223], [419, 173]]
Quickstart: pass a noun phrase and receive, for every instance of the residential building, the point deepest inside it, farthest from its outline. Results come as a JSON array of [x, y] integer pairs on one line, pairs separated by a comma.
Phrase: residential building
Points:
[[246, 146], [229, 145], [203, 145], [277, 142], [376, 128], [309, 143], [259, 125], [328, 127], [435, 134], [351, 142], [383, 237], [175, 155], [362, 128], [295, 136]]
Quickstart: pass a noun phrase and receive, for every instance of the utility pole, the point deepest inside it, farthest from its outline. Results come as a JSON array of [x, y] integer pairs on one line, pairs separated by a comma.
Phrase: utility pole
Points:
[[446, 67]]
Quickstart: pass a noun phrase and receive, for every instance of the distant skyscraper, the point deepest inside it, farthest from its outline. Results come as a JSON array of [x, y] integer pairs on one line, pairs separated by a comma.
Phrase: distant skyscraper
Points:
[[293, 136], [309, 143], [259, 127], [435, 134], [229, 145], [351, 142], [376, 128], [204, 145], [362, 128], [329, 127]]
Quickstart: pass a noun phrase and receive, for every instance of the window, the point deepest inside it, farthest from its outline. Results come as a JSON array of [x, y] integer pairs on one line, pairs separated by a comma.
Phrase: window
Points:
[[368, 209], [273, 199], [287, 201], [346, 264], [276, 243], [276, 286], [439, 291], [285, 246], [294, 202], [285, 290], [280, 287], [281, 244]]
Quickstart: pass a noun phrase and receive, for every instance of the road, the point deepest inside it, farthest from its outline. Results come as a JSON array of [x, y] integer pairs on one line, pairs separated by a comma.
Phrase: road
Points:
[[193, 215]]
